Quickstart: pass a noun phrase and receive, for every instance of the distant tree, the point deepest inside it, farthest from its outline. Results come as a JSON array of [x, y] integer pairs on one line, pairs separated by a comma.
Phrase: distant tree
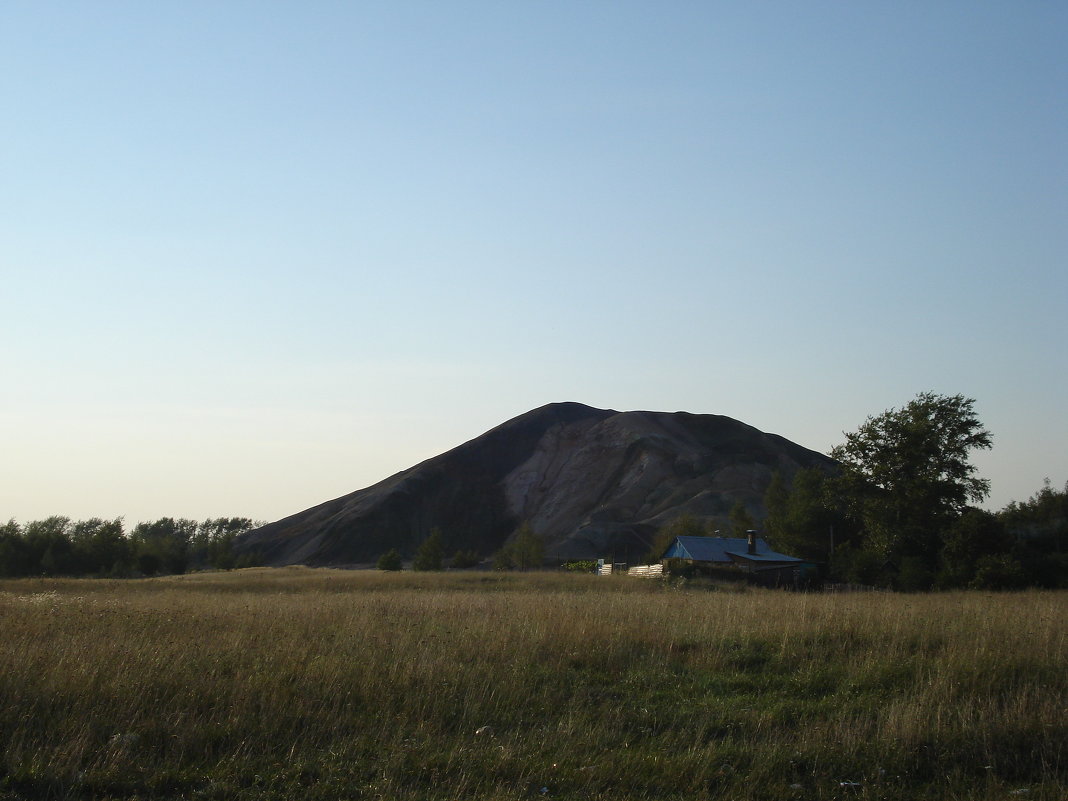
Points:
[[56, 546], [100, 547], [431, 552], [111, 548], [776, 503], [1042, 516], [504, 559], [906, 474], [390, 560], [740, 519], [15, 559], [998, 572], [685, 525], [215, 540], [48, 546], [249, 558], [800, 519], [148, 563], [528, 548], [856, 564], [1038, 528], [167, 545], [465, 559], [975, 534], [913, 574], [524, 552]]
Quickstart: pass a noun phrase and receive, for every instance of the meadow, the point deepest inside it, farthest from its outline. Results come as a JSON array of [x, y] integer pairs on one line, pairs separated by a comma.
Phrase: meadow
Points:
[[320, 684]]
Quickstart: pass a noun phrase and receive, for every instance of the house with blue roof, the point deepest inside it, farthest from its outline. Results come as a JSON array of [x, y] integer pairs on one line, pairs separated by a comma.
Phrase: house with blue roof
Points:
[[751, 555]]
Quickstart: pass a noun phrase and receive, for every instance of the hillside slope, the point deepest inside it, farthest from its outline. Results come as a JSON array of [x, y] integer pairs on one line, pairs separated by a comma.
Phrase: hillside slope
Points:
[[593, 482]]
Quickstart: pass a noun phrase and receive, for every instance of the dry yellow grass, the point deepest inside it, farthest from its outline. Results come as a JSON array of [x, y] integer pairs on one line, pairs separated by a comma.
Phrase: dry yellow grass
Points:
[[332, 684]]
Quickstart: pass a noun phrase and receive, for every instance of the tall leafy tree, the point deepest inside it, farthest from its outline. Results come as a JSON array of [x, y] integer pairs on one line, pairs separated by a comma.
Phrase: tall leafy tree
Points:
[[800, 519], [907, 475]]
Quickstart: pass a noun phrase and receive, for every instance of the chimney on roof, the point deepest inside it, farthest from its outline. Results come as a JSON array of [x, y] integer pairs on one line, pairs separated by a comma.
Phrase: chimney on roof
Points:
[[751, 533]]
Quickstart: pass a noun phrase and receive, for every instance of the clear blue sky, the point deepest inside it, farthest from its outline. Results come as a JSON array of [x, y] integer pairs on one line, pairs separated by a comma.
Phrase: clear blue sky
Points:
[[256, 255]]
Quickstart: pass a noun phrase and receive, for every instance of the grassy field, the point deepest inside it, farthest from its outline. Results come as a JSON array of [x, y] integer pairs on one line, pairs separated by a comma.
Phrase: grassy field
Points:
[[294, 683]]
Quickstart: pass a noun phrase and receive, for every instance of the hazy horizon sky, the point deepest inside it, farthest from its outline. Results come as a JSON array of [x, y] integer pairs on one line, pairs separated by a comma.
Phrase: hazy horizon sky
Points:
[[257, 255]]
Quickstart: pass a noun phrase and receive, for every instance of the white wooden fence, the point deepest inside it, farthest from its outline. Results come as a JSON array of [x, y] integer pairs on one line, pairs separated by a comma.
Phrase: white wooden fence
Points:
[[647, 571]]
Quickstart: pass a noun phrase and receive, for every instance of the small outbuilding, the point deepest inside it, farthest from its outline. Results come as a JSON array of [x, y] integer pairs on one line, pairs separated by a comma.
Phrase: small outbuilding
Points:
[[751, 555]]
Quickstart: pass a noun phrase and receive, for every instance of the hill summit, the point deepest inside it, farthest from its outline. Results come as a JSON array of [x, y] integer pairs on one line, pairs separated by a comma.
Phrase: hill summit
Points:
[[593, 482]]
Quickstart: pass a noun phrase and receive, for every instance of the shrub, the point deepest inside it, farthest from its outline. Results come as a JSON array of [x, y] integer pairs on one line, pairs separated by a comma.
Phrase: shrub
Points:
[[581, 566], [998, 572], [857, 565], [503, 559], [390, 560], [913, 575]]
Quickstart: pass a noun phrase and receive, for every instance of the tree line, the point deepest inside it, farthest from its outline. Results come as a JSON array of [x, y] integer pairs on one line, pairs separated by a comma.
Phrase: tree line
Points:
[[59, 546], [900, 509], [524, 550], [897, 511]]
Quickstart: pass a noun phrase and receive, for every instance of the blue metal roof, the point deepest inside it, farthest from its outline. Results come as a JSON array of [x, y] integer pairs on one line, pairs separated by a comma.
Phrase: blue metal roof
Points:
[[719, 549], [769, 556]]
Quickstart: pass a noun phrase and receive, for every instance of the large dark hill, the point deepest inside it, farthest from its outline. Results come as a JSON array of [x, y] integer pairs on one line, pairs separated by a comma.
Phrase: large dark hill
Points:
[[593, 482]]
